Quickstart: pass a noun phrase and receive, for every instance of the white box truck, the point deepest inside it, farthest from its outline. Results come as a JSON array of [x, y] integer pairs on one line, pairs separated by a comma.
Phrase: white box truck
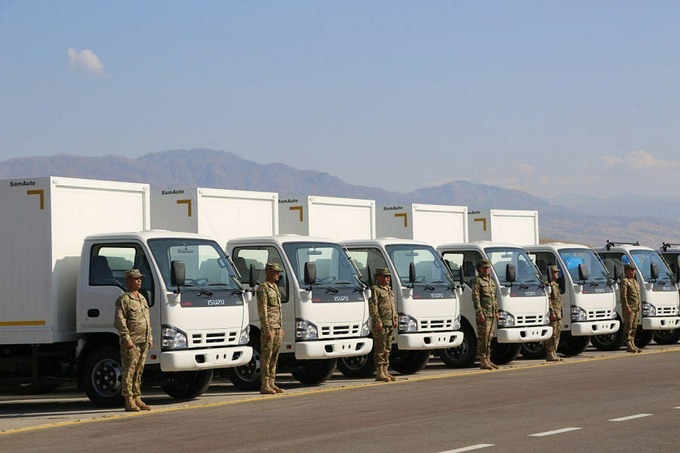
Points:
[[332, 217], [521, 294], [434, 224], [316, 334], [504, 225], [671, 254], [67, 247], [658, 293], [588, 296]]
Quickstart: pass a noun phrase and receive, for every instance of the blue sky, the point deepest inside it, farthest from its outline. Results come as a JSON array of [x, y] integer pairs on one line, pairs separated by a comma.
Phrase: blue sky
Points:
[[551, 97]]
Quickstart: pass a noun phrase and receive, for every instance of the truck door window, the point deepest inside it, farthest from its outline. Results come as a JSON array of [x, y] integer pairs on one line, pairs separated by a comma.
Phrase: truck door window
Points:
[[466, 261], [109, 262], [258, 257], [615, 260], [363, 258]]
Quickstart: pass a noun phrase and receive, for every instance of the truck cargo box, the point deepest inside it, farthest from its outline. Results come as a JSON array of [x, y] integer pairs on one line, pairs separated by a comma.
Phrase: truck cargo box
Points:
[[504, 225], [434, 224]]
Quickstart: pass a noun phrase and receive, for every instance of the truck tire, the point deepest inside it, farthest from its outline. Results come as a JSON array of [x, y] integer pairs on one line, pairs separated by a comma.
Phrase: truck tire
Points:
[[667, 336], [248, 377], [313, 372], [408, 362], [465, 354], [643, 337], [103, 377], [188, 384], [504, 353], [361, 366], [534, 350], [608, 342], [571, 346]]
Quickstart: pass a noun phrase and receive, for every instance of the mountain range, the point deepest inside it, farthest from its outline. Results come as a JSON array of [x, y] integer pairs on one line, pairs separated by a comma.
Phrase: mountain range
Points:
[[589, 221]]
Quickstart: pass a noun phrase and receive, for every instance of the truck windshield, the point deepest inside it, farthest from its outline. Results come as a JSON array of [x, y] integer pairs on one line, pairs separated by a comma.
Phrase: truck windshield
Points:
[[596, 271], [526, 272], [333, 267], [205, 262], [430, 268], [644, 259]]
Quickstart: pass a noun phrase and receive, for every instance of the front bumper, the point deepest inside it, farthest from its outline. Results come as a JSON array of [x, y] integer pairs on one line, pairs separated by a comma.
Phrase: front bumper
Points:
[[202, 359], [328, 349], [429, 340], [523, 334], [587, 328], [660, 323]]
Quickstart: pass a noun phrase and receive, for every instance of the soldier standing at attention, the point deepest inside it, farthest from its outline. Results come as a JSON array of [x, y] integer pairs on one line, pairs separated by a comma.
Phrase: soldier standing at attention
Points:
[[555, 316], [134, 330], [486, 308], [383, 321], [630, 304], [269, 311]]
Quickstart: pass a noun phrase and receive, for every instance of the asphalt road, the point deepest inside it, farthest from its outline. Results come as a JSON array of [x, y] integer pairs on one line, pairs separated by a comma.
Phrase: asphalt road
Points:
[[593, 403]]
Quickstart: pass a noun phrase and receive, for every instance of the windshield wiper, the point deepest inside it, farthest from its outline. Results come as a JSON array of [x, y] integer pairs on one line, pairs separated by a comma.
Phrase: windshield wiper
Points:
[[330, 289], [429, 287], [205, 292]]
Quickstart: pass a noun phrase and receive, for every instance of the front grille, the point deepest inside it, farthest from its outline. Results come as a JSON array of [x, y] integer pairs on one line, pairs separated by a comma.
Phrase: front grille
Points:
[[344, 330], [214, 338], [666, 311], [436, 324], [529, 320], [600, 314]]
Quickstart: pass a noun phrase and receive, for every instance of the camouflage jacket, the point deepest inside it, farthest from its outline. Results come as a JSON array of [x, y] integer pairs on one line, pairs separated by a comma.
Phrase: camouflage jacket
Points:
[[132, 319], [630, 294], [269, 306], [381, 306], [555, 300], [484, 296]]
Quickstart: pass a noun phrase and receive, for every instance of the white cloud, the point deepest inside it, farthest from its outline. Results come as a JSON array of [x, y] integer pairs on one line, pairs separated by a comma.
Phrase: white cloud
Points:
[[85, 60], [637, 160]]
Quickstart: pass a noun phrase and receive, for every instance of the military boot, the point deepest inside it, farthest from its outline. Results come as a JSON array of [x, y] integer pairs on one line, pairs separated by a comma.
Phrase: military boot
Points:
[[274, 387], [141, 404], [130, 405], [380, 374], [484, 364], [493, 365], [630, 347], [388, 375], [266, 388], [552, 357]]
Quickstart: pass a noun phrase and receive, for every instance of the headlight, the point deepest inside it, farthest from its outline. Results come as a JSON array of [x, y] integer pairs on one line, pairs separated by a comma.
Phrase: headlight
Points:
[[578, 314], [365, 330], [505, 319], [245, 336], [648, 309], [305, 330], [614, 316], [407, 324], [456, 323], [173, 338]]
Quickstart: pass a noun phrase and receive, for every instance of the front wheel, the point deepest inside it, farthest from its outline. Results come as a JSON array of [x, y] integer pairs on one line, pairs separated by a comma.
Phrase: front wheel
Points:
[[504, 353], [361, 366], [313, 372], [247, 377], [534, 350], [187, 385], [570, 345], [667, 336], [643, 337], [465, 354], [103, 377], [608, 342], [408, 362]]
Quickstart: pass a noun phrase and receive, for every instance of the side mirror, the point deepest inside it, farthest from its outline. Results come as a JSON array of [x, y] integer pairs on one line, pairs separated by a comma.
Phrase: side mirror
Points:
[[252, 282], [370, 280], [177, 273], [310, 273], [582, 272], [550, 276], [411, 273], [510, 273], [654, 270]]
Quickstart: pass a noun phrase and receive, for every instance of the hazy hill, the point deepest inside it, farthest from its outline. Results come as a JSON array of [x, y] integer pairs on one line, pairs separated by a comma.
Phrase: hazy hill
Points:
[[585, 221]]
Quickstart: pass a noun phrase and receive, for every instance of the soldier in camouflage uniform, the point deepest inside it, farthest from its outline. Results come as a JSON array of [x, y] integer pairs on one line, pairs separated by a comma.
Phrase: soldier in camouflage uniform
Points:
[[486, 309], [269, 311], [555, 316], [383, 321], [134, 330], [630, 305]]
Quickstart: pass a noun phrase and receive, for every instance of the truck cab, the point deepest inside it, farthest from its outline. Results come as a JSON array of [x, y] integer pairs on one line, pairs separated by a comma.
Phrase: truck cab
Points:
[[658, 292], [588, 296], [324, 305], [671, 254], [426, 296], [521, 294]]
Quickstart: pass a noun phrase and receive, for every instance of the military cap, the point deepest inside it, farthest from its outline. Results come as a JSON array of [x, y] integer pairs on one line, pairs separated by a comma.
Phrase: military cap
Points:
[[382, 271], [629, 267], [273, 267], [553, 269], [484, 263], [133, 273]]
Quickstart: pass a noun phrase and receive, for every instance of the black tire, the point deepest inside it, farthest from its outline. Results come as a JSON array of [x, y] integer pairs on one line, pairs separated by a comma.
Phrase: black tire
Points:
[[571, 346], [313, 372], [608, 342], [248, 377], [408, 362], [361, 366], [188, 385], [465, 354], [667, 336], [643, 337], [103, 377], [504, 353], [534, 350]]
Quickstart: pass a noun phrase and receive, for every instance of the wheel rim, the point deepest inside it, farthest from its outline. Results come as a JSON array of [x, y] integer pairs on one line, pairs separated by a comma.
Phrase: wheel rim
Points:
[[533, 346], [251, 371], [107, 377], [606, 339], [664, 334], [458, 352], [355, 363]]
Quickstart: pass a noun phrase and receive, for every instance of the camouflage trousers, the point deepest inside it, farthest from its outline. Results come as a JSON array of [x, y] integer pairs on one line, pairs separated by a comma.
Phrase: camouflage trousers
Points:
[[132, 362], [269, 353], [382, 344], [630, 322], [553, 342], [484, 335]]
